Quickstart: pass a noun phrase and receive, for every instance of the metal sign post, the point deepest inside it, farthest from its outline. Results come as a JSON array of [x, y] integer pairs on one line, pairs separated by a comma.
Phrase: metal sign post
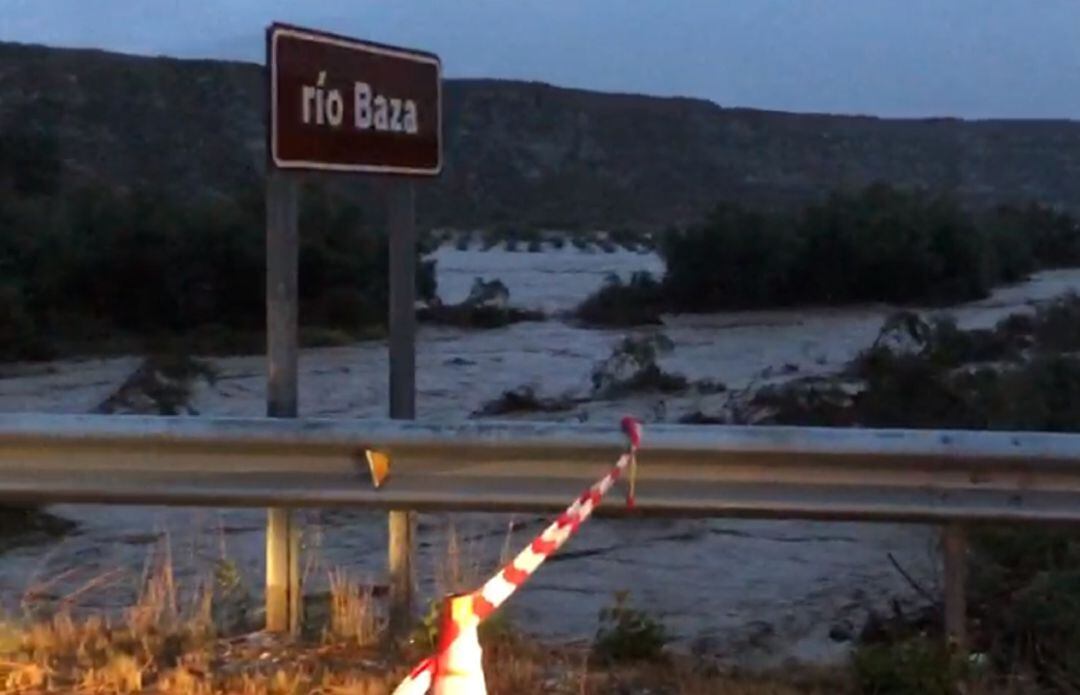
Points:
[[402, 387], [282, 251], [342, 105]]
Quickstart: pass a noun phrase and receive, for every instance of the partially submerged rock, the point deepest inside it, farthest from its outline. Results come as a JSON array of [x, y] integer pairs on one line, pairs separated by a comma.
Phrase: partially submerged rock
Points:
[[524, 399], [487, 306], [160, 386], [809, 402]]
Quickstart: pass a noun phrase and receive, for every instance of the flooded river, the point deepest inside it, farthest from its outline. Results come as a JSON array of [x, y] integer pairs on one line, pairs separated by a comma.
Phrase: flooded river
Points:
[[757, 592]]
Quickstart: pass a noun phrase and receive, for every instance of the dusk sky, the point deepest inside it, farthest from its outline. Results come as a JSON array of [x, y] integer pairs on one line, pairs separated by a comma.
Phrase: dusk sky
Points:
[[971, 58]]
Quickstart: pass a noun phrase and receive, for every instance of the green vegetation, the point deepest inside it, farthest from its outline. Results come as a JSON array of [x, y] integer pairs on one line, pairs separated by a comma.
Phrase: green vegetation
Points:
[[632, 367], [619, 304], [83, 269], [487, 306], [628, 634], [1022, 374], [914, 666], [878, 245]]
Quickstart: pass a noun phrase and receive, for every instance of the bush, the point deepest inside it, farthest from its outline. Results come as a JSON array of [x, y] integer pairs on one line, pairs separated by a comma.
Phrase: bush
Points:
[[915, 666], [632, 368], [634, 303], [626, 634], [932, 374], [1025, 593], [1056, 325]]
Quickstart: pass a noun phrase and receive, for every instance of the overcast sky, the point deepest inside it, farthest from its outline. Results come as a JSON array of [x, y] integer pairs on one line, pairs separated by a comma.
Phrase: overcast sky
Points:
[[973, 58]]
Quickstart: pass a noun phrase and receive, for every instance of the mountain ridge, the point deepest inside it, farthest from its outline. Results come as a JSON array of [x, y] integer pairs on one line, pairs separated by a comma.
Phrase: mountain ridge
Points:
[[528, 152]]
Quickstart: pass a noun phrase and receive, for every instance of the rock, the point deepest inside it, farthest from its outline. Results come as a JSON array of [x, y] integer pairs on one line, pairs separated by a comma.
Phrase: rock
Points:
[[699, 418], [842, 631], [20, 526], [491, 294], [904, 333], [524, 400]]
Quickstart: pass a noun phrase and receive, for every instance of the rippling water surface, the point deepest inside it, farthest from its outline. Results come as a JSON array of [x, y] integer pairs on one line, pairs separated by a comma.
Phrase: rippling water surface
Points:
[[756, 591]]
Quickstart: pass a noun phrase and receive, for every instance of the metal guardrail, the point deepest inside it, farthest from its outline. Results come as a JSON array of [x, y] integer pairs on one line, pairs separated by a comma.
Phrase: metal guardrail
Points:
[[904, 475]]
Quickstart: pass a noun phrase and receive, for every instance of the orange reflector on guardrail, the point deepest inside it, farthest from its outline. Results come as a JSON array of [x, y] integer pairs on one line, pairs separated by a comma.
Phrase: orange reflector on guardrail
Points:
[[379, 464]]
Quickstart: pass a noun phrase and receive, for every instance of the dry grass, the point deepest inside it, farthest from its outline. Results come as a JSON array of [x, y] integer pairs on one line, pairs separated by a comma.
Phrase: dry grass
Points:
[[459, 568], [166, 642], [179, 655], [353, 613]]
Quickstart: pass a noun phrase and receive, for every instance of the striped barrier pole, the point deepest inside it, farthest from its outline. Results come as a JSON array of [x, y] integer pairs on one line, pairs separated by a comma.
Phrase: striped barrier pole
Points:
[[499, 588]]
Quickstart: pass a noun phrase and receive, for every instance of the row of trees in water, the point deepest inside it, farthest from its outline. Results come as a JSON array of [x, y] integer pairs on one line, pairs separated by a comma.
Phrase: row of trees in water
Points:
[[880, 244]]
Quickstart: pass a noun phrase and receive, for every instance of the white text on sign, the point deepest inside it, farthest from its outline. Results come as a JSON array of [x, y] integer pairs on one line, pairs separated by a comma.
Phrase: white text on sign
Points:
[[382, 113]]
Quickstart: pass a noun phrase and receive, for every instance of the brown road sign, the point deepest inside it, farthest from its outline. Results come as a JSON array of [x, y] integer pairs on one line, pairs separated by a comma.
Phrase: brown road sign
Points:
[[339, 104]]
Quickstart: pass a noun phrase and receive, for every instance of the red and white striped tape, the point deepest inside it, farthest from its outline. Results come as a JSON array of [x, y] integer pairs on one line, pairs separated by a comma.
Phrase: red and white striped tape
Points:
[[500, 587]]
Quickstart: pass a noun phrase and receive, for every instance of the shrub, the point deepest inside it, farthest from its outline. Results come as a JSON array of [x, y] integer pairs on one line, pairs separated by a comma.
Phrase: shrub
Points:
[[632, 367], [623, 304], [1056, 324], [917, 665], [627, 634]]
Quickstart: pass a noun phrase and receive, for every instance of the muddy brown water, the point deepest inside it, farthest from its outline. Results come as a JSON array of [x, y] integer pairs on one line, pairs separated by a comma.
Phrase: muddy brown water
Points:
[[753, 592]]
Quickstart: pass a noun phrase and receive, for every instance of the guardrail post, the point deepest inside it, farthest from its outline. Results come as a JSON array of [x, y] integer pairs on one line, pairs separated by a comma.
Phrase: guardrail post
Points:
[[283, 592], [402, 230], [955, 550]]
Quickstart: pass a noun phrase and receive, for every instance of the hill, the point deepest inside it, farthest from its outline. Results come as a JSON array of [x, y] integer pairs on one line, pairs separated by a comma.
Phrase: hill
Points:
[[527, 153]]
